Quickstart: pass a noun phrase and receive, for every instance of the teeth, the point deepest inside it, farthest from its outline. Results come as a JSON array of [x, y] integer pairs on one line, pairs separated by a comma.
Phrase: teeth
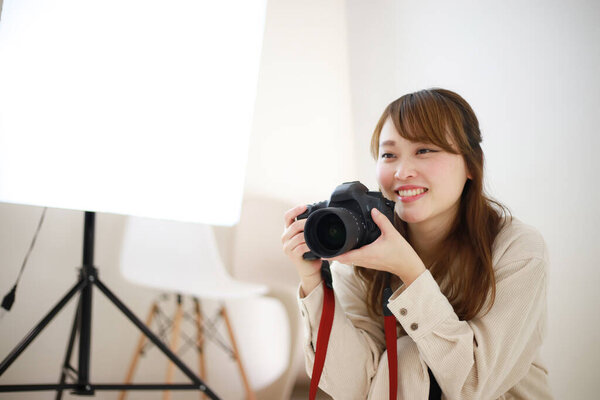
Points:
[[410, 193]]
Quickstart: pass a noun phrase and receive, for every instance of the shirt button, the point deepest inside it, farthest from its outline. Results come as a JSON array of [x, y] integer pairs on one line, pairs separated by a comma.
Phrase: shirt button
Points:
[[302, 312], [403, 311], [414, 326]]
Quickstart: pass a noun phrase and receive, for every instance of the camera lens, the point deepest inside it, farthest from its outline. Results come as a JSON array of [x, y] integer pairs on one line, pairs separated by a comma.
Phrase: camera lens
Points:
[[332, 231]]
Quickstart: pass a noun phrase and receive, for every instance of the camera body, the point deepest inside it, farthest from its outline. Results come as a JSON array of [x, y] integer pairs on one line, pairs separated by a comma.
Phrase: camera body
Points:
[[343, 222]]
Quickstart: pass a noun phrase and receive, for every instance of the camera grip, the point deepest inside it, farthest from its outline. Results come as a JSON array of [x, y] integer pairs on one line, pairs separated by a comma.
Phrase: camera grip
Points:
[[309, 256]]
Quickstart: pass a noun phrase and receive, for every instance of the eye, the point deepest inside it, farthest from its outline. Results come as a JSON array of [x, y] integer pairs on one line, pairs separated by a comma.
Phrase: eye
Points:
[[425, 151], [387, 155]]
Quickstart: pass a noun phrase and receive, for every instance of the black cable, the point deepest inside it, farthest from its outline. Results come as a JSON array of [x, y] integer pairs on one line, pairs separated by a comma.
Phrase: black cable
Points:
[[9, 299]]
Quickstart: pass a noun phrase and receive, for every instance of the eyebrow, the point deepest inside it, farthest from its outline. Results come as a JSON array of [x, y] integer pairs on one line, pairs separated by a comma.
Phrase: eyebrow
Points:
[[387, 143]]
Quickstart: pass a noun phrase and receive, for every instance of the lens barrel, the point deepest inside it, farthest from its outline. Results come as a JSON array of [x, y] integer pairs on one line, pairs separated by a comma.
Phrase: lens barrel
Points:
[[332, 231]]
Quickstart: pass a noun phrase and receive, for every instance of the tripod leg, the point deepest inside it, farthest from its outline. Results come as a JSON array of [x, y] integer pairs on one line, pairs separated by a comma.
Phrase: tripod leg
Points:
[[200, 342], [155, 340], [40, 326], [66, 363], [249, 392], [174, 340], [138, 350]]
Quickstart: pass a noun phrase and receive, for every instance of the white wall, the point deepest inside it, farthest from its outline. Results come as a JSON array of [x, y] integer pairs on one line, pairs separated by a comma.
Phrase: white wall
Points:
[[530, 71], [301, 145]]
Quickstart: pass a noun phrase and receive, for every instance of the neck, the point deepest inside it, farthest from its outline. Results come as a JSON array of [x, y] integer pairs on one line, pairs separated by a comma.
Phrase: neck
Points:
[[425, 237]]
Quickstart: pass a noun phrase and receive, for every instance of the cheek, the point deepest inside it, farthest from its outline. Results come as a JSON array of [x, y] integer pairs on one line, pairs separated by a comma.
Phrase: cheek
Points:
[[384, 174], [453, 176]]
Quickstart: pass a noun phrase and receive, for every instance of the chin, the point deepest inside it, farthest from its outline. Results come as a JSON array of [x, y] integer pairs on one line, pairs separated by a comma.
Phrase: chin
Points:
[[410, 218]]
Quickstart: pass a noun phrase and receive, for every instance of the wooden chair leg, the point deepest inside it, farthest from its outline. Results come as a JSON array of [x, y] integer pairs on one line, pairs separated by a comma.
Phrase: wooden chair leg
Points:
[[173, 345], [138, 351], [249, 392], [200, 343]]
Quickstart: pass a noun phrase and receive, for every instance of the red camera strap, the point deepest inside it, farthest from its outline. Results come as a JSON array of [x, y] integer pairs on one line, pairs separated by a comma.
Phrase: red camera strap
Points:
[[392, 354], [323, 341], [390, 342]]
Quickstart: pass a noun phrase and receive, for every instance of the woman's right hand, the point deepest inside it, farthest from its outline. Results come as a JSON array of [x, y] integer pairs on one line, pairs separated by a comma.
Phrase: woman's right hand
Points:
[[294, 247]]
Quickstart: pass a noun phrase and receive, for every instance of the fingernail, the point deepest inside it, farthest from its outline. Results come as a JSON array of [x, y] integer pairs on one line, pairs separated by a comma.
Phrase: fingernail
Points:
[[376, 211]]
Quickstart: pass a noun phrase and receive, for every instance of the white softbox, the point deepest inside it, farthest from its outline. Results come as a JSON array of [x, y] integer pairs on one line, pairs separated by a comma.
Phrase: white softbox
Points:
[[128, 106]]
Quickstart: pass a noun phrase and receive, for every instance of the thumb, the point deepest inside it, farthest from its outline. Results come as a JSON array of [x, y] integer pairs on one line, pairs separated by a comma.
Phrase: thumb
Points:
[[383, 223]]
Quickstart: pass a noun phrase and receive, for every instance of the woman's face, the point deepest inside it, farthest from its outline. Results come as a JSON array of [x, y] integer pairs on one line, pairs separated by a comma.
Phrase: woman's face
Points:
[[425, 181]]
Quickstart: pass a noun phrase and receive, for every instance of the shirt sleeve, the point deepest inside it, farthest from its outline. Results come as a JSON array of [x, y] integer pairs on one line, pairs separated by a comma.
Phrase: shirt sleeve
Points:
[[356, 342], [484, 357]]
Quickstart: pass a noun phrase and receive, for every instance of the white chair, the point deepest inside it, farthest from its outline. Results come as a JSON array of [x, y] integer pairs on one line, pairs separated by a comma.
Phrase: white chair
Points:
[[182, 258], [259, 258]]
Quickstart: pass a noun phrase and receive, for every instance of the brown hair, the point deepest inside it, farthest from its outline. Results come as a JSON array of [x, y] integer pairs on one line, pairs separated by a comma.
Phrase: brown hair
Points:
[[463, 263]]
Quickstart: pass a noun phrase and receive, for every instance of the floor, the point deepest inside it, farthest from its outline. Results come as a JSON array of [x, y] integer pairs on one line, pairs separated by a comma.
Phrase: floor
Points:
[[301, 393]]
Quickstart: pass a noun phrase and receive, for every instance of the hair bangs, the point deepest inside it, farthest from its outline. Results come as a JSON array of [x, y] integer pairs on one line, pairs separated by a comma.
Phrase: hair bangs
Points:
[[425, 117]]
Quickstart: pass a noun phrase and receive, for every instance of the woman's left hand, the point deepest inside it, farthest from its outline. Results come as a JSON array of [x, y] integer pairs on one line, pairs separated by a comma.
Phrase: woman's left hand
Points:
[[390, 252]]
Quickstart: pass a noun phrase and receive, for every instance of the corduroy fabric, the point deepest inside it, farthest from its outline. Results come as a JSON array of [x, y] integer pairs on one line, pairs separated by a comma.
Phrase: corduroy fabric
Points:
[[493, 356]]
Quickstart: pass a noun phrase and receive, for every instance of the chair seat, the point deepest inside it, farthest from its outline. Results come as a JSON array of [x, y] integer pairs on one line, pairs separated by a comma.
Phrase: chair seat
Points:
[[215, 289]]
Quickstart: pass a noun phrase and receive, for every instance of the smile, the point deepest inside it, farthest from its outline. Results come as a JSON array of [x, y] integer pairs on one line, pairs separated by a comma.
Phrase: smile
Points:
[[411, 194]]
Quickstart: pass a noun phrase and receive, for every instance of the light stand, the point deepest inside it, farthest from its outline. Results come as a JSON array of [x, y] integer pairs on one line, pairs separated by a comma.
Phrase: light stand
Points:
[[88, 277]]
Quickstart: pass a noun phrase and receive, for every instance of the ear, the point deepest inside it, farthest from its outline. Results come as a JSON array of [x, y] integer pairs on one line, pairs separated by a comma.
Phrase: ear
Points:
[[468, 171], [469, 174]]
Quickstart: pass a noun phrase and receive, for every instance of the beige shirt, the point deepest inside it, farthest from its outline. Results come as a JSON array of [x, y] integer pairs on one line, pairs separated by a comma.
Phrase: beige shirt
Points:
[[493, 356]]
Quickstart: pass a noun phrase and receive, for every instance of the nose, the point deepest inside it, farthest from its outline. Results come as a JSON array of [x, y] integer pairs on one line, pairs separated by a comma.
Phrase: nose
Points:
[[405, 170]]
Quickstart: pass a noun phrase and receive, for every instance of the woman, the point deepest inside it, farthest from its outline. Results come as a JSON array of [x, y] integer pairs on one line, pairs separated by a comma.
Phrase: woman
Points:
[[469, 281]]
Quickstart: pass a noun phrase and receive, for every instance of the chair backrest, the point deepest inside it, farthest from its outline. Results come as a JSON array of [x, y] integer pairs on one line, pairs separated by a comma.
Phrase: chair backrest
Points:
[[258, 255], [177, 256]]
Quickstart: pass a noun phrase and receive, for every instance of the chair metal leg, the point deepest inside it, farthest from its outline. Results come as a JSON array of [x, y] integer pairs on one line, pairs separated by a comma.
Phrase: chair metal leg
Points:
[[249, 392], [197, 383], [200, 346], [174, 341], [136, 355]]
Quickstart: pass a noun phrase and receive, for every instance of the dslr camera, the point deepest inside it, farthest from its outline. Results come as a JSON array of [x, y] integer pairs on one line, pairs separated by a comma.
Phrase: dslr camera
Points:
[[344, 222]]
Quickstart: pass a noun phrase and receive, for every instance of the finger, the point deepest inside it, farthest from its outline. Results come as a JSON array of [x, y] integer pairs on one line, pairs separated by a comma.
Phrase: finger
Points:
[[382, 222], [350, 258], [295, 228], [300, 250], [290, 215], [295, 242]]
